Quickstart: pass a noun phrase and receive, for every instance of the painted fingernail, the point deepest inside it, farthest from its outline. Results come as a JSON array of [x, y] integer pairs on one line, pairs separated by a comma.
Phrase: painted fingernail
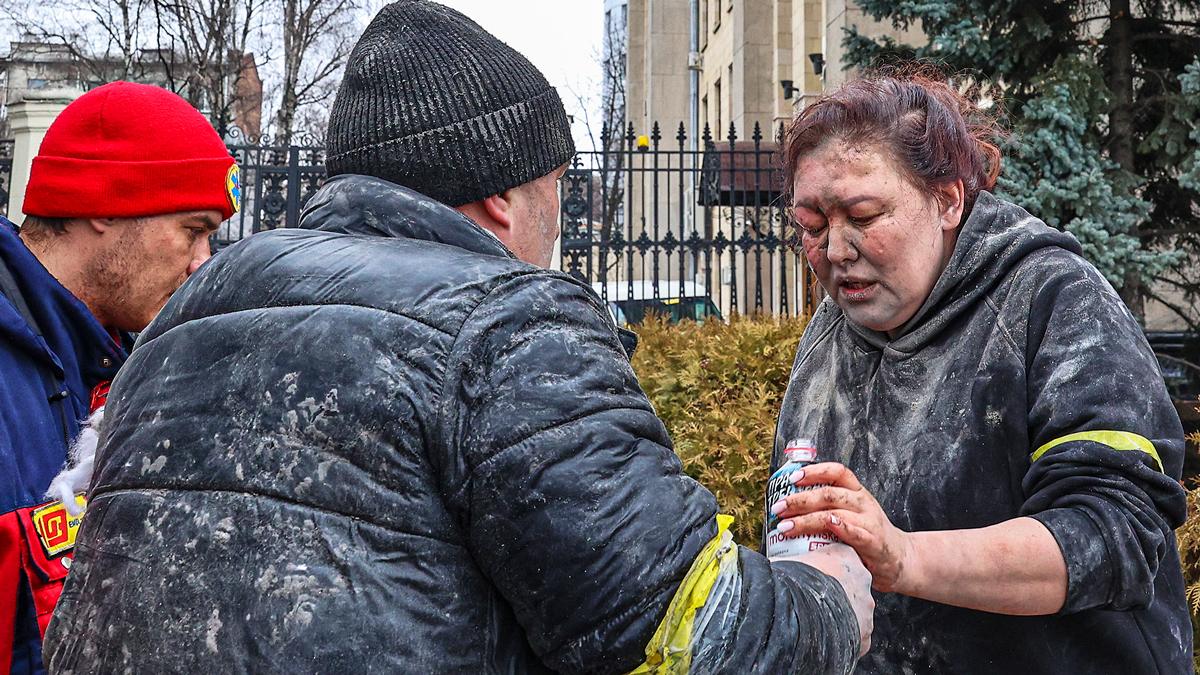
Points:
[[785, 526], [796, 476], [778, 507], [835, 520]]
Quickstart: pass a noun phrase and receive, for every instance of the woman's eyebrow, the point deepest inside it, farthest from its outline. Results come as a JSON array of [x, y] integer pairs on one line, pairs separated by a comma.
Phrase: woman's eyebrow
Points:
[[858, 199], [843, 203]]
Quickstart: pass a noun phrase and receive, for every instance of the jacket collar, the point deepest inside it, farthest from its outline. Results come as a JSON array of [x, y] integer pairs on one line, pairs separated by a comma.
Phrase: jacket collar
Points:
[[355, 204], [68, 338]]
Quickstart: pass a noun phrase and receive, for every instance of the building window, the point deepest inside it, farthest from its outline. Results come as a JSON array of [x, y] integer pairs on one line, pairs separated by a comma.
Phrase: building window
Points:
[[729, 90], [36, 83], [704, 23], [717, 132], [704, 111], [717, 20]]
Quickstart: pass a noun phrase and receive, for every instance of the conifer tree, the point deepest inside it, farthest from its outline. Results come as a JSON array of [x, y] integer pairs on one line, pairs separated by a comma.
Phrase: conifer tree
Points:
[[1103, 98]]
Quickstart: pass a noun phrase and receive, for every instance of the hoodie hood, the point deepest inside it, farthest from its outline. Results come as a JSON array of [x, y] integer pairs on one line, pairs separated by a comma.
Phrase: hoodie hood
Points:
[[355, 204], [994, 239]]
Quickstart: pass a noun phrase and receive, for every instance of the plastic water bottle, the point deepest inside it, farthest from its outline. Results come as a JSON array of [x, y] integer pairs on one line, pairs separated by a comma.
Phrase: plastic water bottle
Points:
[[798, 454]]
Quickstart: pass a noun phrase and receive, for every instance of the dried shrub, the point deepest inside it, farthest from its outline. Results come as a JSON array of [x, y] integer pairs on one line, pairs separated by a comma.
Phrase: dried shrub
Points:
[[1188, 537], [718, 387]]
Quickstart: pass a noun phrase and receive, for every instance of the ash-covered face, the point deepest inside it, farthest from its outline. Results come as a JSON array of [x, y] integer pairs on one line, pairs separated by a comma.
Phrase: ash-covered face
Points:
[[876, 242], [535, 219]]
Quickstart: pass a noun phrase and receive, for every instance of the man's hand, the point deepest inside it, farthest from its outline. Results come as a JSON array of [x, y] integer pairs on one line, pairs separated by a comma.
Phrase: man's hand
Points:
[[843, 564]]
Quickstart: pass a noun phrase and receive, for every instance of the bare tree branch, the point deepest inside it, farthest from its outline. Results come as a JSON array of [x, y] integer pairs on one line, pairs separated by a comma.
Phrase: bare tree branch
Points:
[[1178, 360], [316, 38], [1191, 323], [208, 40]]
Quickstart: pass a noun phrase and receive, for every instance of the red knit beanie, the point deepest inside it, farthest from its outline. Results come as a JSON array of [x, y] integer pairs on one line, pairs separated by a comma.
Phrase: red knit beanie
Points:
[[125, 150]]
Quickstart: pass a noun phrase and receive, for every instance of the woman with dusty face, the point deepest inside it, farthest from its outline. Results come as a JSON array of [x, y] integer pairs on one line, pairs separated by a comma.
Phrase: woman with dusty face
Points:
[[876, 242], [997, 441]]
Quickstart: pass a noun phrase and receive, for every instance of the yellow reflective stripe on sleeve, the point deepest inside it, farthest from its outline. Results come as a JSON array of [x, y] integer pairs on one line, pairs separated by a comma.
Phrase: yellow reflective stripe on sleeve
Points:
[[670, 650], [1117, 440]]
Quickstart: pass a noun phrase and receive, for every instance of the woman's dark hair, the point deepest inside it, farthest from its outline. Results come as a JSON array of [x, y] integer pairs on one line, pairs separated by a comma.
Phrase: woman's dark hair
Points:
[[934, 133]]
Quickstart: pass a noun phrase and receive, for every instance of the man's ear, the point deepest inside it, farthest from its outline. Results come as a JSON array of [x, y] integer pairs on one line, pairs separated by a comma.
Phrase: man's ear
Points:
[[499, 209], [100, 225]]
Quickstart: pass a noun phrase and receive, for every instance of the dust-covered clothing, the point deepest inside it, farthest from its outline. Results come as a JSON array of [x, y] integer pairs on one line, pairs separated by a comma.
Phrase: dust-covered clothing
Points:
[[383, 444], [1022, 387]]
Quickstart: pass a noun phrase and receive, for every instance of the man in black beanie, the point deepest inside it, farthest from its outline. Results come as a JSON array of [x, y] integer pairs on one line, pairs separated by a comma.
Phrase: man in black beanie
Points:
[[390, 441]]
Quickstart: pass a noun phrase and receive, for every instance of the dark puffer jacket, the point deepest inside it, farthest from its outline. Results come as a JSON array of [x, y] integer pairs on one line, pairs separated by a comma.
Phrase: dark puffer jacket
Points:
[[387, 445]]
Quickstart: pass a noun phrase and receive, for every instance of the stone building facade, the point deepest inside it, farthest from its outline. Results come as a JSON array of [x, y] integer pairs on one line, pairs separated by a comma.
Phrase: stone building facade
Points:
[[32, 65]]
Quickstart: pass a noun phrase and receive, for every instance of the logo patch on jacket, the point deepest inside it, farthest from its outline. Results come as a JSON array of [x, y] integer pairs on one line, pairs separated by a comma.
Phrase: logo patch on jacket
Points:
[[233, 187], [55, 527]]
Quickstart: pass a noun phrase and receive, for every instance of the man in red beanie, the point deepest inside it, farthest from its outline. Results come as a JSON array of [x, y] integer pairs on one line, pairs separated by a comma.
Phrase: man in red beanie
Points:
[[129, 183]]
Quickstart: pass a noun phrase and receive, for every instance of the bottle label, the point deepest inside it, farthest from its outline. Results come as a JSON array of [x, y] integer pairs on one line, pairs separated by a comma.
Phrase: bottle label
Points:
[[800, 453]]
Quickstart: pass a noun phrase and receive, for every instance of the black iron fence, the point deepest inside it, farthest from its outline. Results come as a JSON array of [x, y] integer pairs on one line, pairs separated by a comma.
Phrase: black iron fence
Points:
[[6, 161], [683, 227], [676, 225], [277, 180]]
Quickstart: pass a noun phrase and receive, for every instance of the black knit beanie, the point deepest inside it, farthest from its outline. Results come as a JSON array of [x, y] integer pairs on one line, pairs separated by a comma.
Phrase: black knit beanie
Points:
[[433, 102]]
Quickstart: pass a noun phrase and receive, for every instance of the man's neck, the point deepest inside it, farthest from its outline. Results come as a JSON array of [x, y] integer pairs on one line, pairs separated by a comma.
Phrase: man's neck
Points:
[[63, 262]]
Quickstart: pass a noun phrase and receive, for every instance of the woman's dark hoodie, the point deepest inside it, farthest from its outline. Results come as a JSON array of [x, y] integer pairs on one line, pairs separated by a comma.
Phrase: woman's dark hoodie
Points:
[[990, 404]]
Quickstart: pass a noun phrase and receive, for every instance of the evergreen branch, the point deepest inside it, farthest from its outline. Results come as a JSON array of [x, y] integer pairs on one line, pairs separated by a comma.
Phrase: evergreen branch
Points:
[[1185, 24], [1148, 234], [1164, 37], [1174, 309], [1176, 359], [1188, 289], [1154, 100]]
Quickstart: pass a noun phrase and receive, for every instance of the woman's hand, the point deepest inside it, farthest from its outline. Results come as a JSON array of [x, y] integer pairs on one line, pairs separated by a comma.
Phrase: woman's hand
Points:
[[845, 508]]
